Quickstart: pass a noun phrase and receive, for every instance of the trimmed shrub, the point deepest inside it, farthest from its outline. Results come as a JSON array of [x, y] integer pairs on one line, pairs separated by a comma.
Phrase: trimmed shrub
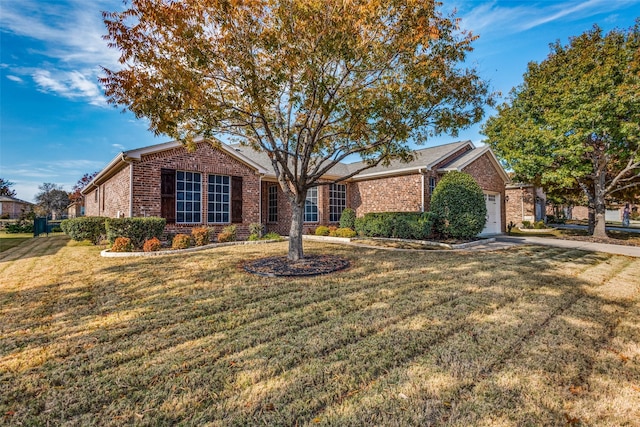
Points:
[[181, 241], [348, 219], [90, 228], [152, 245], [138, 229], [19, 227], [402, 225], [343, 232], [122, 244], [228, 234], [322, 230], [256, 228], [539, 225], [526, 224], [459, 206], [272, 235], [200, 236]]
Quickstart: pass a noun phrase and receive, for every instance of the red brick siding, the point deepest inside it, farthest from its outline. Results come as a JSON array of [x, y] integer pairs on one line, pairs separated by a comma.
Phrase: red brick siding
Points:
[[206, 160], [113, 196], [13, 210], [485, 174], [391, 194], [521, 205]]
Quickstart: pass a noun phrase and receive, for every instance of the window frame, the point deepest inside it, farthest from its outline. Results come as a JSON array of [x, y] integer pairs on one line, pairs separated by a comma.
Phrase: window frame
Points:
[[311, 210], [185, 191], [337, 201], [272, 203], [212, 211]]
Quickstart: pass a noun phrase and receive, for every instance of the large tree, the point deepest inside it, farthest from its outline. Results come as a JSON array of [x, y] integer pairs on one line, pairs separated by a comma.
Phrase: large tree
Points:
[[76, 191], [51, 200], [575, 120], [5, 188], [308, 82]]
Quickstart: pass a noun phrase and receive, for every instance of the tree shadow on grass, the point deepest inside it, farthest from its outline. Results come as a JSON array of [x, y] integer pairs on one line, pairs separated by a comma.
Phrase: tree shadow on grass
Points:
[[194, 339]]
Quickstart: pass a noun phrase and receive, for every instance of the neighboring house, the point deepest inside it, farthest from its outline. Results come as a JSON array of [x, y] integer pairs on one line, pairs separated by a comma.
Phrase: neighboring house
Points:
[[75, 209], [220, 184], [12, 208], [524, 202]]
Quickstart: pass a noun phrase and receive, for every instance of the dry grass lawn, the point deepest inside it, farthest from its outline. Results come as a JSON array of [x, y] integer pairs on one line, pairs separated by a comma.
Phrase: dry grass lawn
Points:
[[530, 336]]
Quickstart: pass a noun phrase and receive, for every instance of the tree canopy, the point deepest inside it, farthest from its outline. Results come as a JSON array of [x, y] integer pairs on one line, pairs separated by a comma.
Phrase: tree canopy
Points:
[[574, 123], [308, 82], [5, 188], [76, 191], [52, 199]]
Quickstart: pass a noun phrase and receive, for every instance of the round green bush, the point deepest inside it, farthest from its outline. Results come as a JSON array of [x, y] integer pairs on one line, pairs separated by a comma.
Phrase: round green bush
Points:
[[459, 206], [348, 218]]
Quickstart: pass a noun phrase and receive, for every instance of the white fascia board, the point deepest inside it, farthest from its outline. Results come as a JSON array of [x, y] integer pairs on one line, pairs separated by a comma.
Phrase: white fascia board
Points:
[[382, 174]]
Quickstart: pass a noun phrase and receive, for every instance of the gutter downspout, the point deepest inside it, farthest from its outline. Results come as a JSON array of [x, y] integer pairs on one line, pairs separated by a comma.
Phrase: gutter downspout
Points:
[[260, 176]]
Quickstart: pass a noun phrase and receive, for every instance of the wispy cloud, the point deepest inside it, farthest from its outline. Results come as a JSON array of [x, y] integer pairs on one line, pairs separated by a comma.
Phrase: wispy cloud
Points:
[[72, 49], [504, 18], [15, 78], [118, 147]]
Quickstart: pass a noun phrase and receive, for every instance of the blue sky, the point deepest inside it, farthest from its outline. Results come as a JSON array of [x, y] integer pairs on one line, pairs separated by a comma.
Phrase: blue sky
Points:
[[55, 124]]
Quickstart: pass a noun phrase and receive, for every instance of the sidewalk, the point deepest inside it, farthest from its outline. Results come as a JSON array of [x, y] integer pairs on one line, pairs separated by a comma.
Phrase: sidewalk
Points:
[[633, 251]]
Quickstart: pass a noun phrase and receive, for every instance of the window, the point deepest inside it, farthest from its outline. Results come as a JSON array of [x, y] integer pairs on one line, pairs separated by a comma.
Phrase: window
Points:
[[337, 201], [219, 193], [432, 185], [272, 204], [188, 197], [311, 205]]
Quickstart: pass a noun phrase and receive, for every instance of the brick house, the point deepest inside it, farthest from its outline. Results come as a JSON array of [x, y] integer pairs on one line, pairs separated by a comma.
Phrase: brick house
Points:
[[12, 208], [524, 202], [221, 184]]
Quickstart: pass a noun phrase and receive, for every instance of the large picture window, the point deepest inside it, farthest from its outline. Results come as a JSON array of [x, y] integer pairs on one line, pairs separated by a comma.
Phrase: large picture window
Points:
[[311, 205], [337, 201], [272, 207], [188, 197], [219, 193]]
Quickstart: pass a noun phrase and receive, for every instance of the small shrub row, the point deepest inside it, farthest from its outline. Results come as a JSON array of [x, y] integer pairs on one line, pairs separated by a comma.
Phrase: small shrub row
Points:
[[20, 227], [228, 234], [122, 244], [401, 225], [137, 229], [152, 245], [323, 230], [90, 228]]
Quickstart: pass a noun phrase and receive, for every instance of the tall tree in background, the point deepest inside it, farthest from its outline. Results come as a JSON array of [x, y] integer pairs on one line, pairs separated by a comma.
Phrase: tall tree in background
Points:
[[76, 195], [52, 200], [308, 82], [5, 188], [575, 121]]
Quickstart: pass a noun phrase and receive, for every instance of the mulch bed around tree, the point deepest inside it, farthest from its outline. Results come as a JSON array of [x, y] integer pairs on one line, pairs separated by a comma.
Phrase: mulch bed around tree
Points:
[[311, 265]]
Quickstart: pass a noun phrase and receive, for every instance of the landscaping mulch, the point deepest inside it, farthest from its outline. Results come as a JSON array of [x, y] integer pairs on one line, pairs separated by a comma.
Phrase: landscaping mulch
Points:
[[311, 265]]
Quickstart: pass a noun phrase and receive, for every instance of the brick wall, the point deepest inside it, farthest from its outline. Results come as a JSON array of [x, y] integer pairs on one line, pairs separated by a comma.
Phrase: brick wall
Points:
[[520, 205], [111, 197], [391, 194], [206, 160]]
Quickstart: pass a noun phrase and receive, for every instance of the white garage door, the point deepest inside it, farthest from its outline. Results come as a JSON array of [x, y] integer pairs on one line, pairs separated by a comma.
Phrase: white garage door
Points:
[[493, 225]]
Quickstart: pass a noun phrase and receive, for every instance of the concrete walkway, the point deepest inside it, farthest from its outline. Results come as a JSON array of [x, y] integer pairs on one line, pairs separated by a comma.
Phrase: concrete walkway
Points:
[[608, 228], [633, 251]]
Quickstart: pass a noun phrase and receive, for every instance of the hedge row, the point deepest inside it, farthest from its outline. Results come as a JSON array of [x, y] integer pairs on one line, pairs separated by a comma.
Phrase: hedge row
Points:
[[401, 225], [95, 229]]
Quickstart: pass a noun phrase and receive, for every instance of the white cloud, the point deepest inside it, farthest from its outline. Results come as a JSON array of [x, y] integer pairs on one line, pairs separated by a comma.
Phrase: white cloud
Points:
[[70, 33], [15, 78], [504, 18], [118, 147]]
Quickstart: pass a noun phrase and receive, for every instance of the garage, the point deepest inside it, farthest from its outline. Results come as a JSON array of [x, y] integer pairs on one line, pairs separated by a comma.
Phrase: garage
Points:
[[493, 225]]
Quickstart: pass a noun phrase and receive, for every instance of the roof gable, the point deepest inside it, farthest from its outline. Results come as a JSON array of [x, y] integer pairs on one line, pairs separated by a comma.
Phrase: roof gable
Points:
[[469, 157]]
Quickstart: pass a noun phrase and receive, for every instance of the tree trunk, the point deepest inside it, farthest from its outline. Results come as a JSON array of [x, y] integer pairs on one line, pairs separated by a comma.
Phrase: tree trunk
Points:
[[600, 208], [295, 233], [599, 226]]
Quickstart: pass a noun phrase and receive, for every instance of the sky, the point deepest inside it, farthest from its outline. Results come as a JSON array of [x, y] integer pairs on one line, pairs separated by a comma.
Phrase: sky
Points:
[[55, 123]]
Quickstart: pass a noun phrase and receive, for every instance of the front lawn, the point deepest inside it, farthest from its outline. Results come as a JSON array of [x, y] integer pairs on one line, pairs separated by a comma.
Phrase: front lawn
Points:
[[8, 241], [529, 336]]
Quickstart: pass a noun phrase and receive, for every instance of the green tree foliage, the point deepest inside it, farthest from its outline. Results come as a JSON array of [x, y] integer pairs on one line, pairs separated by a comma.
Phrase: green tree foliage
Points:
[[5, 188], [459, 206], [52, 200], [574, 123], [308, 82]]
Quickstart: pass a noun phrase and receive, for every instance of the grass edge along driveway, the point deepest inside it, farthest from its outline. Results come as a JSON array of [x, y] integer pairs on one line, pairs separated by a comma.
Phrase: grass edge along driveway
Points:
[[529, 336]]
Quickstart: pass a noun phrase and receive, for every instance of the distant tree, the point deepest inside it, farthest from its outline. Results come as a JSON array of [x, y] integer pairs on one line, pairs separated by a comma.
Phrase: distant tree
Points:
[[52, 200], [307, 82], [575, 121], [76, 195], [5, 188]]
